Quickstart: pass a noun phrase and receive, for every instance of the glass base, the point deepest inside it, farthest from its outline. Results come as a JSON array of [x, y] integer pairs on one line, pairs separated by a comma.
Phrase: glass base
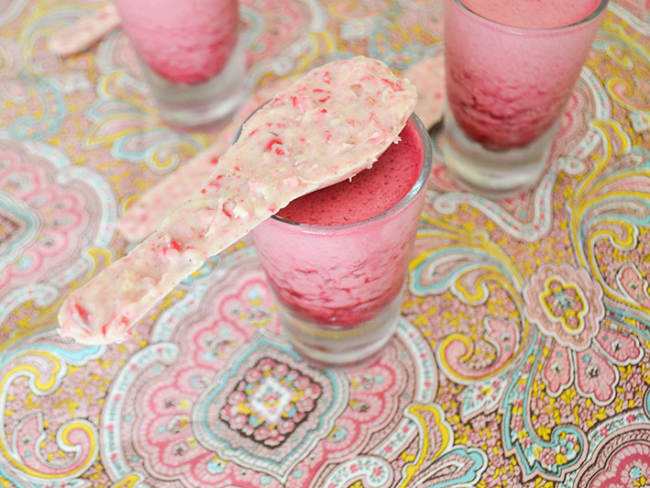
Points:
[[494, 173], [205, 103], [326, 346]]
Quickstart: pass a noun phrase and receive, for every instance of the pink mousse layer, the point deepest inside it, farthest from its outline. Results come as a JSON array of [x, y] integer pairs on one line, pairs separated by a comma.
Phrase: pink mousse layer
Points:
[[343, 275], [533, 14], [184, 41], [369, 193], [506, 86]]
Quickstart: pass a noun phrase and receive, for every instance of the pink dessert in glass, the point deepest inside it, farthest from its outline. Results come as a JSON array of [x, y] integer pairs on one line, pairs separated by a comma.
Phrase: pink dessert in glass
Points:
[[336, 258], [510, 69], [507, 90], [189, 53], [186, 41]]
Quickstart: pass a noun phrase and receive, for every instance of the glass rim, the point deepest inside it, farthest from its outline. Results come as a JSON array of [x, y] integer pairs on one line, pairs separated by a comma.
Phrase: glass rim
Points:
[[418, 186], [595, 13]]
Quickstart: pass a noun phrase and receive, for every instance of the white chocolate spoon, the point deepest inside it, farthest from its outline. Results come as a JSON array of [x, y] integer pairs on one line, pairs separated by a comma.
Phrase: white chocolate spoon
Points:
[[324, 128], [146, 213]]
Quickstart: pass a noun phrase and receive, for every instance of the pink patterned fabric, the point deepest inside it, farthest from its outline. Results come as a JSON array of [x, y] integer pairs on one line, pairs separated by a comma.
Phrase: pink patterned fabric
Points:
[[521, 357]]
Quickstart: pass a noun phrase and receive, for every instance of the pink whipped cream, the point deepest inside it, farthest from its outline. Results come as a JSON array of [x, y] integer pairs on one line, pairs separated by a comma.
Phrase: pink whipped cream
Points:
[[533, 14], [342, 276], [184, 41], [367, 194], [323, 129]]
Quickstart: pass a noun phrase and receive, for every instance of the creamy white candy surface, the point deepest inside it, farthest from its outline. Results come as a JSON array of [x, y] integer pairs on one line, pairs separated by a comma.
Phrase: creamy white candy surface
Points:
[[326, 127]]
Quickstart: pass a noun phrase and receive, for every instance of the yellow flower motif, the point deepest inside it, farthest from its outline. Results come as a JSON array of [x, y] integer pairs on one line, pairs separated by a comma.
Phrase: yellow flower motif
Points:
[[564, 302]]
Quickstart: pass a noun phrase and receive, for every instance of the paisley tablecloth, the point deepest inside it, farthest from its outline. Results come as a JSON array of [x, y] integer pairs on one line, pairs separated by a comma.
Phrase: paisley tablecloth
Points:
[[522, 358]]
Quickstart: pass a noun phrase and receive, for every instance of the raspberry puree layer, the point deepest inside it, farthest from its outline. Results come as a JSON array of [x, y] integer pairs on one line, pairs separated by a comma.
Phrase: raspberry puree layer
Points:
[[507, 87]]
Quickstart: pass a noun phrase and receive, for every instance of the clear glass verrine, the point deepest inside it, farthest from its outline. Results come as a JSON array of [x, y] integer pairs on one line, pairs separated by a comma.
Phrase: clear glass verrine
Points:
[[190, 54], [339, 287], [507, 87]]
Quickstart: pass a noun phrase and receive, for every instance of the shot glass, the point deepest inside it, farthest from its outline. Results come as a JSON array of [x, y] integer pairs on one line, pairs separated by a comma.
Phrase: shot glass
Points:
[[339, 288], [507, 89], [190, 55]]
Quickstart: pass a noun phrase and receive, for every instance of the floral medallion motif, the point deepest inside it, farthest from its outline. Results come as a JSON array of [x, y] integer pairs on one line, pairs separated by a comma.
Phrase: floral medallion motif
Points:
[[271, 402], [221, 399], [566, 304], [273, 396], [235, 395], [629, 468]]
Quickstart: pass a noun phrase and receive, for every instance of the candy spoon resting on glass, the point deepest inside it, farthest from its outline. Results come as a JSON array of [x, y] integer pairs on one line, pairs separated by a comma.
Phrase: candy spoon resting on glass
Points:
[[326, 127], [143, 216]]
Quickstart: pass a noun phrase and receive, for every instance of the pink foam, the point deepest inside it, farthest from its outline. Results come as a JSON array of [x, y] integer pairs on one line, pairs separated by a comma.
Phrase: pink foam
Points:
[[369, 193], [533, 14]]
